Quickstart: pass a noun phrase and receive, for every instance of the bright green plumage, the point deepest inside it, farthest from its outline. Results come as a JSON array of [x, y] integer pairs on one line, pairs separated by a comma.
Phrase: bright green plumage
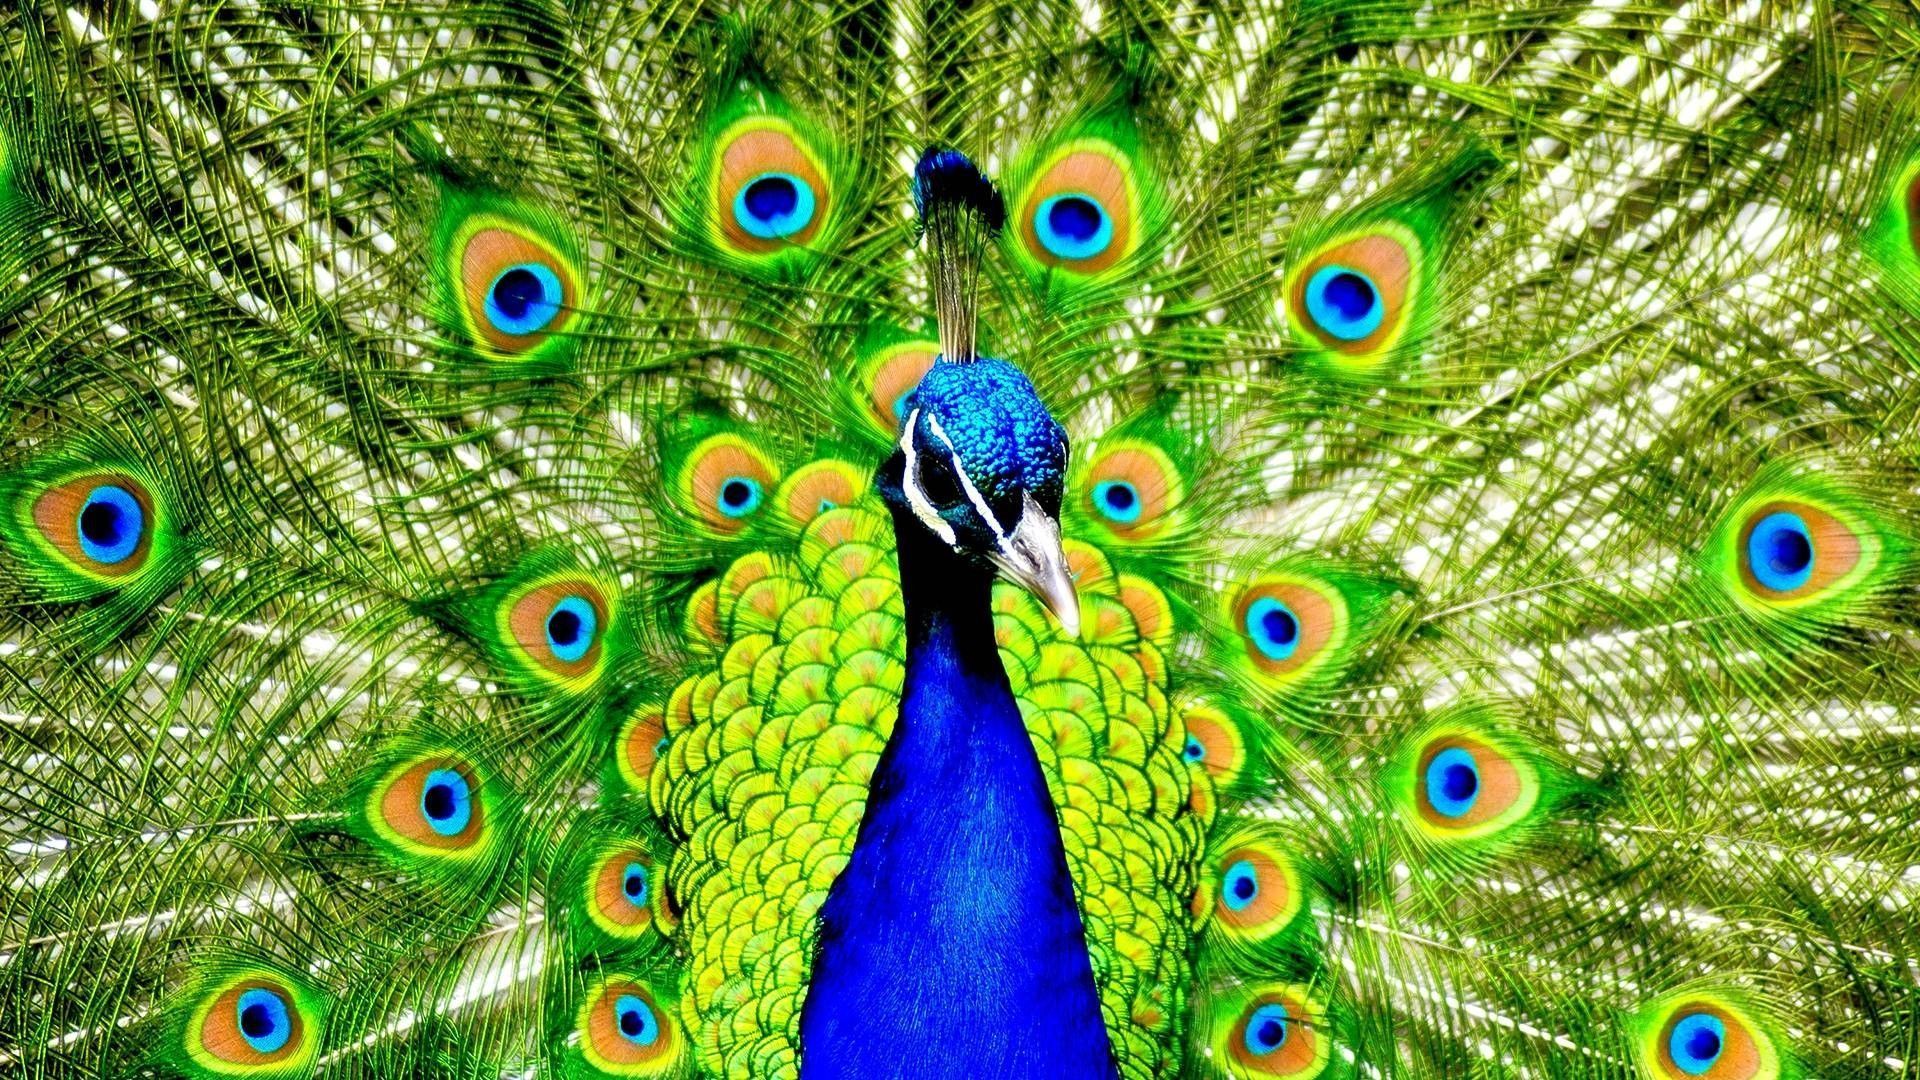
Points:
[[443, 596]]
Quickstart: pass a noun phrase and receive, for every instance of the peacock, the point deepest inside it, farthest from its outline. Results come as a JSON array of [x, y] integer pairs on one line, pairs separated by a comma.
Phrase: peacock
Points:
[[1096, 540]]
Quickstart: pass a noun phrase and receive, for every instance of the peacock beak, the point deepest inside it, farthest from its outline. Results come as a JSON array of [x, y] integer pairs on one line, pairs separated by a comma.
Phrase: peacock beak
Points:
[[1032, 557]]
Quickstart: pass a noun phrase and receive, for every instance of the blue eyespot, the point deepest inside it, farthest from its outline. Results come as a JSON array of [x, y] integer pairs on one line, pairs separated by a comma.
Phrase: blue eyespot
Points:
[[1118, 500], [633, 884], [1696, 1042], [1344, 302], [774, 205], [524, 298], [1072, 226], [1274, 628], [1239, 887], [1453, 782], [1266, 1029], [1780, 551], [637, 1022], [1194, 750], [446, 802], [110, 524], [740, 496], [571, 626], [262, 1018]]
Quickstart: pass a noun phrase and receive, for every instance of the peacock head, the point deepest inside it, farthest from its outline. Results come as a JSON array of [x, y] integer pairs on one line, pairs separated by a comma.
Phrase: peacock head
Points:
[[981, 467]]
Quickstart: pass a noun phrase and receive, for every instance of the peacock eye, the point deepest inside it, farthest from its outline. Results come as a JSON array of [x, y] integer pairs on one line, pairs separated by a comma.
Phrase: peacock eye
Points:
[[1258, 891], [1471, 784], [558, 625], [619, 892], [1273, 628], [774, 205], [1793, 551], [519, 287], [1079, 212], [1278, 1032], [892, 375], [100, 526], [1344, 302], [1073, 226], [1266, 1029], [738, 496], [626, 1031], [446, 802], [263, 1020], [110, 524], [1118, 500], [1289, 625], [255, 1023], [1214, 742], [431, 804], [725, 480], [1708, 1036], [769, 188], [636, 1021], [1354, 299], [1696, 1042], [1780, 551], [524, 299], [1453, 782], [1239, 886], [571, 628]]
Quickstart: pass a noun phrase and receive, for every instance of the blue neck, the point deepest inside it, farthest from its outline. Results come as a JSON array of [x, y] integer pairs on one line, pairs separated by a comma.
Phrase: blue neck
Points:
[[951, 945]]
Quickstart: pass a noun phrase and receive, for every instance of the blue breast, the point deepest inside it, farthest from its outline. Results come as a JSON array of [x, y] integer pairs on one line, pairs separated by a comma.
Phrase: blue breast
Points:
[[951, 946]]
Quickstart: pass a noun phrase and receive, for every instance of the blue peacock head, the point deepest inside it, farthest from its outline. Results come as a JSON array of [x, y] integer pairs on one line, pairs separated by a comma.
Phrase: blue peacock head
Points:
[[980, 464]]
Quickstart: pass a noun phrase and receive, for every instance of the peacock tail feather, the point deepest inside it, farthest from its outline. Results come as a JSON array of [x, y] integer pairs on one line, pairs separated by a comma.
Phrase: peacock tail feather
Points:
[[449, 625]]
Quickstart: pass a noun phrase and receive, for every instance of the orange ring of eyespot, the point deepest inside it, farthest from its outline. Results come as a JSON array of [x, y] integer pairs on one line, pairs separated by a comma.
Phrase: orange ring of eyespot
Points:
[[609, 887], [56, 513], [603, 1026], [711, 468], [1274, 897], [816, 488], [897, 375], [1200, 795], [488, 253], [1836, 549], [1383, 259], [640, 749], [703, 611], [1291, 1056], [1314, 613], [527, 621], [1150, 482], [1739, 1057], [760, 145], [1499, 783], [1097, 176], [400, 805], [1213, 730], [220, 1032], [1152, 615]]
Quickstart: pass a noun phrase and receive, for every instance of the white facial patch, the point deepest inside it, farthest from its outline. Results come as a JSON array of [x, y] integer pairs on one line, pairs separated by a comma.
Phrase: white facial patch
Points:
[[979, 501], [910, 483]]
